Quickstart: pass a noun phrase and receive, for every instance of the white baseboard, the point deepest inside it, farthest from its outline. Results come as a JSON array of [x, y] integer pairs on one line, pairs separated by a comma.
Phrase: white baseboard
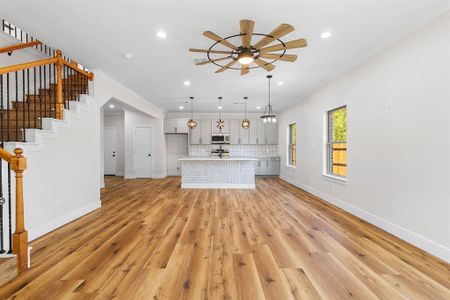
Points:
[[421, 242], [51, 225], [217, 186]]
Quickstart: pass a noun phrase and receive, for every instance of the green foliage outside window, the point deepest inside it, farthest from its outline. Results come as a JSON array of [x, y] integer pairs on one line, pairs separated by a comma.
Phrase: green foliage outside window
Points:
[[340, 125]]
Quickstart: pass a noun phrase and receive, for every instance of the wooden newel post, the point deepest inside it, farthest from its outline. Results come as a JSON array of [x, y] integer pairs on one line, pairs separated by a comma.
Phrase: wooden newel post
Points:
[[59, 87], [20, 236]]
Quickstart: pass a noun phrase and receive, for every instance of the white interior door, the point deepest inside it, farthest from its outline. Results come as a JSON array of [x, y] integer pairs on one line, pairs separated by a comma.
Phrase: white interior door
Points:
[[143, 156], [110, 150]]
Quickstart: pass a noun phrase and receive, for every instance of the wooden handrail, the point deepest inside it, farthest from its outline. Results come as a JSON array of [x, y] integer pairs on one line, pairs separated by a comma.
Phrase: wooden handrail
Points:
[[19, 46], [18, 164], [74, 66], [5, 155], [28, 65], [59, 61]]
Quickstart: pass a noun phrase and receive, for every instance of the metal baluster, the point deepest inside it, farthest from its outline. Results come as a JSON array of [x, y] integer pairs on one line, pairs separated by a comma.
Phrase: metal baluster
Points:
[[40, 97], [45, 91], [35, 98], [54, 90], [50, 93], [2, 111], [23, 105], [28, 96], [17, 105], [9, 210], [7, 107], [2, 202]]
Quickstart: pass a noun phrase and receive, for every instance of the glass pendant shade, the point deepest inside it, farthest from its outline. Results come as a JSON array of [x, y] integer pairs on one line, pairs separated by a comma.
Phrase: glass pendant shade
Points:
[[191, 123], [269, 115], [245, 123]]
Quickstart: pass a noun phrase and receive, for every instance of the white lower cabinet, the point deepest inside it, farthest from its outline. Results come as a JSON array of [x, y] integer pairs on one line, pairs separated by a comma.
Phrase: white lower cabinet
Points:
[[268, 166]]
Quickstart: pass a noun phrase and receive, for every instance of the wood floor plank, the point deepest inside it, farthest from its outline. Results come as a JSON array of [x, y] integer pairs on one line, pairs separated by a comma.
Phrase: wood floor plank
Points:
[[153, 240]]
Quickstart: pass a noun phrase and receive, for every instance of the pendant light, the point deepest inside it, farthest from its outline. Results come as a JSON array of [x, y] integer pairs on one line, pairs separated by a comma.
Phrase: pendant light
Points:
[[220, 122], [269, 115], [191, 123], [245, 123]]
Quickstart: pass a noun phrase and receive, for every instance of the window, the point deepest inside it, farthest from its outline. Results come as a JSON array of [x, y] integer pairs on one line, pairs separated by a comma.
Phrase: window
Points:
[[292, 145], [337, 142]]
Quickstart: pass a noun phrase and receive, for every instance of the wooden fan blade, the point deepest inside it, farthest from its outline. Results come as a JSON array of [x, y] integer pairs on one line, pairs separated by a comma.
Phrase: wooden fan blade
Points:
[[246, 31], [219, 39], [244, 69], [278, 32], [286, 57], [264, 64], [213, 60], [210, 51], [230, 64], [288, 45]]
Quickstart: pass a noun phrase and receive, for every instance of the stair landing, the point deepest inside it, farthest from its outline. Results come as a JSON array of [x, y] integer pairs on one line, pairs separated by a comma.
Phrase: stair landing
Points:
[[8, 269]]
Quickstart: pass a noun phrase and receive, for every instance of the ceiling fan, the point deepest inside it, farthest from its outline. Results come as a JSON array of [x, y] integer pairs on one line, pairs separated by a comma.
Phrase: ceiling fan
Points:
[[251, 56]]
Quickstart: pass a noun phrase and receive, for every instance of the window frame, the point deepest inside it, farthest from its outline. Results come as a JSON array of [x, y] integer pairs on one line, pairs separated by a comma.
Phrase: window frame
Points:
[[291, 148], [328, 168]]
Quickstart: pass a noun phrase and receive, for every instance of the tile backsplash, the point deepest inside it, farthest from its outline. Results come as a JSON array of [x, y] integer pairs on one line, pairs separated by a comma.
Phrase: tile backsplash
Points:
[[235, 150]]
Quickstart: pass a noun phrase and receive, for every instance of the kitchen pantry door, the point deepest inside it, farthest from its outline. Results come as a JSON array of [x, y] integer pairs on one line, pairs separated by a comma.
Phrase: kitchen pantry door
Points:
[[143, 156], [110, 150]]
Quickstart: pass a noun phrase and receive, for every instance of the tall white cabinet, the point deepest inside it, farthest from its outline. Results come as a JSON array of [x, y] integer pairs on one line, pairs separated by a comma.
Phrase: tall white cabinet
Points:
[[201, 134]]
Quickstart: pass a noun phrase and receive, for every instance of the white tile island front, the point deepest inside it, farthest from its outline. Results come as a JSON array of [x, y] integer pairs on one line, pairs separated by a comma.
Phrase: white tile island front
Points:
[[218, 173]]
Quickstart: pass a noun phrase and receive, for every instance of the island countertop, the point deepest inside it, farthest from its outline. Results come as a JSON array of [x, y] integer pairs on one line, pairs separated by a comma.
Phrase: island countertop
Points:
[[215, 158]]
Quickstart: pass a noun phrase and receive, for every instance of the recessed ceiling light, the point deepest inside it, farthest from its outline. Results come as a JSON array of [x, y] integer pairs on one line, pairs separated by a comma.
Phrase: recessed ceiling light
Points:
[[187, 83], [280, 82], [161, 34], [181, 107], [258, 107], [128, 55], [111, 106], [219, 107], [325, 34]]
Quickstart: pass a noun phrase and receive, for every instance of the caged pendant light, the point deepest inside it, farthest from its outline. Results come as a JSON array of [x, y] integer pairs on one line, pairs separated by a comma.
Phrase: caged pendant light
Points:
[[269, 115], [191, 123], [245, 123]]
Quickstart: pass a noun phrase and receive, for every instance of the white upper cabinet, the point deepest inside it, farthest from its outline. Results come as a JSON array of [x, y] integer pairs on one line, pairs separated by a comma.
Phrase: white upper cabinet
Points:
[[175, 125], [226, 129], [234, 132], [195, 134], [261, 138], [244, 134], [259, 133], [253, 131], [205, 131], [271, 133]]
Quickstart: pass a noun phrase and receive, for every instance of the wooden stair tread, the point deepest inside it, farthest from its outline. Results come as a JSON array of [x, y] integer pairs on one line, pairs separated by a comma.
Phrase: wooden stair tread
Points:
[[8, 269]]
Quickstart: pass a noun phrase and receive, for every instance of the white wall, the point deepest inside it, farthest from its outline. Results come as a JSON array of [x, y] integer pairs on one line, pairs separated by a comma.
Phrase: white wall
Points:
[[133, 119], [118, 121], [398, 157], [106, 88], [177, 147], [61, 180]]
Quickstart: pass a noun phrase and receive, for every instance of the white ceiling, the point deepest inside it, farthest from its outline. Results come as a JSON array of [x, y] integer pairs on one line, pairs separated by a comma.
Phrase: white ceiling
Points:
[[98, 33]]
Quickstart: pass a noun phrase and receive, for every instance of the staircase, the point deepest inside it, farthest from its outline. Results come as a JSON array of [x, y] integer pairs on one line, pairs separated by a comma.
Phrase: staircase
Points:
[[31, 93]]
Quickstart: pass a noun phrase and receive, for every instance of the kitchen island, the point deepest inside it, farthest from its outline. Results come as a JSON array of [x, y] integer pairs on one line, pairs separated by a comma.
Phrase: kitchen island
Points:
[[218, 173]]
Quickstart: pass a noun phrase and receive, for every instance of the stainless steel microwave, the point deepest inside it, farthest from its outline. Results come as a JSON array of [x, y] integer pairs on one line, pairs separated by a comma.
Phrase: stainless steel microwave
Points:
[[220, 138]]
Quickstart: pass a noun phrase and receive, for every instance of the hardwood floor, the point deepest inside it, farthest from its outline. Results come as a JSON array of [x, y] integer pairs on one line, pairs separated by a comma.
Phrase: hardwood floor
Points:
[[152, 240]]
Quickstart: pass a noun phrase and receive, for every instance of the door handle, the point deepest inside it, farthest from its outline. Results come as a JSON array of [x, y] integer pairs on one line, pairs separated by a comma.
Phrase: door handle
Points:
[[114, 155], [149, 155]]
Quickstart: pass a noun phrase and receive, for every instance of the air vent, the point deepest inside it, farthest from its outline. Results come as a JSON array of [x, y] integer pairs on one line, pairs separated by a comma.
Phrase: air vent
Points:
[[199, 60], [238, 103]]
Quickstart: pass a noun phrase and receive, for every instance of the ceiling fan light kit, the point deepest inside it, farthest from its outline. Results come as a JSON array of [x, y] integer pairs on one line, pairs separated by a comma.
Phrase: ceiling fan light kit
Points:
[[269, 116], [248, 55]]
